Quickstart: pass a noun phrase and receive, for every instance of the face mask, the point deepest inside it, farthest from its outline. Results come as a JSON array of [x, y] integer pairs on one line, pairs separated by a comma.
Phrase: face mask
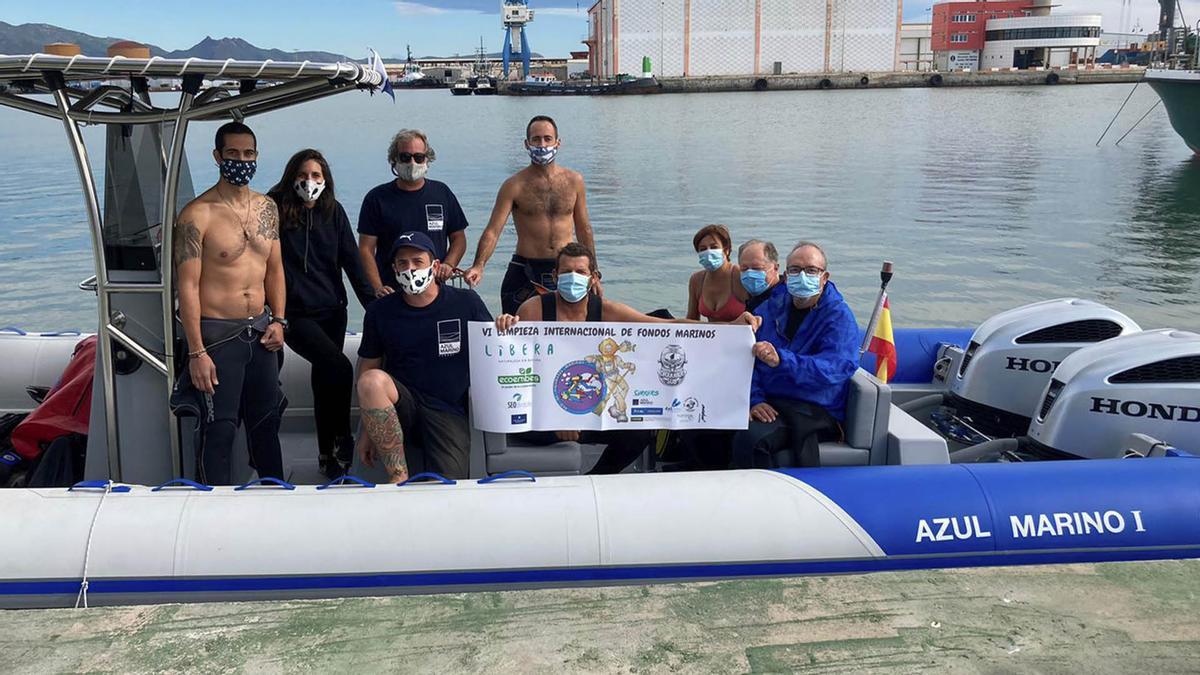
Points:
[[572, 286], [542, 156], [754, 281], [309, 190], [410, 172], [237, 172], [414, 282], [803, 286], [711, 259]]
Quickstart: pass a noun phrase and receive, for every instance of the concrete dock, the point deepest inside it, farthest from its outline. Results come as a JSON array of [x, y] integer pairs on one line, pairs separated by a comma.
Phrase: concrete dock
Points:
[[889, 80], [1122, 617]]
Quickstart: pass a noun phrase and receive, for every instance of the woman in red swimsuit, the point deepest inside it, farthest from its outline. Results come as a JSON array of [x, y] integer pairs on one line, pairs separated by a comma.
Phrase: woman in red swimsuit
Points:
[[715, 292]]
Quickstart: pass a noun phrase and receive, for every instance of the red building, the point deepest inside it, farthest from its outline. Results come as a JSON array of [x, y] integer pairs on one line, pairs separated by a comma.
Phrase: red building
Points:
[[959, 26]]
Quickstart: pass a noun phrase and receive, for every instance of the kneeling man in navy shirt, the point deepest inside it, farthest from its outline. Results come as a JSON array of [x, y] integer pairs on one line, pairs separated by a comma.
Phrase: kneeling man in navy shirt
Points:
[[413, 373]]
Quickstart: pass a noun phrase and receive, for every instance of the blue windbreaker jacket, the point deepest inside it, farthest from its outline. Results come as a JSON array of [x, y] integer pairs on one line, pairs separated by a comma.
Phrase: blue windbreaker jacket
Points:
[[817, 364]]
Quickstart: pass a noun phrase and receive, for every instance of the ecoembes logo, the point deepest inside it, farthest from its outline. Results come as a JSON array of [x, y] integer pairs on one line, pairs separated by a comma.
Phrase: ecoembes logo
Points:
[[524, 377]]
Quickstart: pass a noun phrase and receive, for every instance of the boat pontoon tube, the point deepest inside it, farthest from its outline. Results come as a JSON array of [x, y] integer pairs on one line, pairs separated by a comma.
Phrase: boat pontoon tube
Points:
[[183, 544]]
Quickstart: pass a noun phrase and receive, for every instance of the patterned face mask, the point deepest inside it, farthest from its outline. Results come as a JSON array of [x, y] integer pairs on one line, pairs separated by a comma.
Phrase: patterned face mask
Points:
[[542, 156], [238, 172], [309, 190], [414, 282]]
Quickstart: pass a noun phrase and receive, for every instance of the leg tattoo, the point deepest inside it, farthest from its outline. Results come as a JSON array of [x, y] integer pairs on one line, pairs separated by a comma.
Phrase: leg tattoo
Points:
[[383, 427]]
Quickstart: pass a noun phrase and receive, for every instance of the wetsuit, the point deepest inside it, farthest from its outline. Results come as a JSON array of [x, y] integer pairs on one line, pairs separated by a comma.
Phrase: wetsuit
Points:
[[621, 447], [523, 279], [247, 392]]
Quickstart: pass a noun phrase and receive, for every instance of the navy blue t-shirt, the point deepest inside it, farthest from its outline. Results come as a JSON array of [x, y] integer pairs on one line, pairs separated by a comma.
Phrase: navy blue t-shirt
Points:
[[388, 212], [425, 348]]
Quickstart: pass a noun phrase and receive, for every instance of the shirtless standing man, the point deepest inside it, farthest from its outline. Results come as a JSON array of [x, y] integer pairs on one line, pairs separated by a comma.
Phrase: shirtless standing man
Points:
[[229, 268], [548, 203]]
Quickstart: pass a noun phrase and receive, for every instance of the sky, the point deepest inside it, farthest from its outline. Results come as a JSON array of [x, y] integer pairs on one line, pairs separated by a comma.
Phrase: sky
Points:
[[431, 27]]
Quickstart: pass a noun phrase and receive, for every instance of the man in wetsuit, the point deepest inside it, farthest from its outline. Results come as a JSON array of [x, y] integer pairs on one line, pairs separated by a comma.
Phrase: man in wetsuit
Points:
[[230, 271], [548, 203]]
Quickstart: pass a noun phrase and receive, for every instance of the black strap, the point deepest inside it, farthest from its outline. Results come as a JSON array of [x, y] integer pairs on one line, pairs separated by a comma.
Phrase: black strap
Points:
[[595, 307]]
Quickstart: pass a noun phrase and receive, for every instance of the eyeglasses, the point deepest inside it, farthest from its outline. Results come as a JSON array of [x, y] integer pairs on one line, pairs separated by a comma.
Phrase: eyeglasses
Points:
[[810, 271], [406, 157]]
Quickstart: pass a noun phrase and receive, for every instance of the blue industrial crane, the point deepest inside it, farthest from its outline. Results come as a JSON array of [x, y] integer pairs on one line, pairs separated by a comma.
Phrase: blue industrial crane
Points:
[[514, 14]]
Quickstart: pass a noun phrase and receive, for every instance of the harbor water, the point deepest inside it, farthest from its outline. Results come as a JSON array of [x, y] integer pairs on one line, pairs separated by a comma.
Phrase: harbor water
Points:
[[985, 198]]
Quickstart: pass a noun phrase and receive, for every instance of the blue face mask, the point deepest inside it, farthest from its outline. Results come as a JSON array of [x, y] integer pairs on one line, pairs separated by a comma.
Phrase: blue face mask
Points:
[[754, 281], [803, 286], [573, 286], [238, 172], [542, 156], [711, 259]]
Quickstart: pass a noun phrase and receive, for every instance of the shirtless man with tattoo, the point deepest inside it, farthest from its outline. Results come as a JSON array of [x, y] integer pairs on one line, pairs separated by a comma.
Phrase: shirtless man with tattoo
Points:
[[413, 373], [548, 204], [229, 270]]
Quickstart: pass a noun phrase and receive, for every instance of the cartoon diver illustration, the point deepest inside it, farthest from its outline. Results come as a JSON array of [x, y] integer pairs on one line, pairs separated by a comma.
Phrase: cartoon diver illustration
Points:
[[613, 369]]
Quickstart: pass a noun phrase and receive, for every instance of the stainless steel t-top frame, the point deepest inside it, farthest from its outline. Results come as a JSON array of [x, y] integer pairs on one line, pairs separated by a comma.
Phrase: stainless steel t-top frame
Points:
[[263, 86]]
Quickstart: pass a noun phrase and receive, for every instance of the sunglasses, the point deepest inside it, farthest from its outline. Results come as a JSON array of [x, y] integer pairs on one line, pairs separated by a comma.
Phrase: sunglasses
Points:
[[406, 157]]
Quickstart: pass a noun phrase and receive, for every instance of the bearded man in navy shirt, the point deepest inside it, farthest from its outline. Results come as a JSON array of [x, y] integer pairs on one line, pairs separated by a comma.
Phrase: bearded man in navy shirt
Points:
[[413, 374]]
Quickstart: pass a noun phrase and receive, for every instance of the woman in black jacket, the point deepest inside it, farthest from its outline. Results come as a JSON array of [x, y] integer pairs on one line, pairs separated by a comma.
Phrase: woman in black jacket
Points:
[[318, 245]]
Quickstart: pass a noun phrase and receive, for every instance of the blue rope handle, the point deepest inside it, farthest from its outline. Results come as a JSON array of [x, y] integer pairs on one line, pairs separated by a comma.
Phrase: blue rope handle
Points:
[[183, 482], [346, 481], [516, 473], [266, 481], [98, 485], [426, 475]]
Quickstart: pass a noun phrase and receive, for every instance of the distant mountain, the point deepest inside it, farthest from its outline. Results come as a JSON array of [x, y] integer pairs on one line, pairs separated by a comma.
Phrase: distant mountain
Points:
[[237, 48], [30, 38]]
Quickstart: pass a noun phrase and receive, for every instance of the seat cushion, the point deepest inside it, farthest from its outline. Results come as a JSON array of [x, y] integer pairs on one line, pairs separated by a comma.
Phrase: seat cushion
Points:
[[565, 457], [840, 454]]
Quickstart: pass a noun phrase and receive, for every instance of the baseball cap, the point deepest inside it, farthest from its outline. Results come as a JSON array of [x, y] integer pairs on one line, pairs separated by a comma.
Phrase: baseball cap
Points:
[[417, 240]]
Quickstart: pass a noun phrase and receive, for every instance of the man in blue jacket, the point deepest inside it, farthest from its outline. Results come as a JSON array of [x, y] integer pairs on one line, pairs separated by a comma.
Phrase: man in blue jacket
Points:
[[806, 353]]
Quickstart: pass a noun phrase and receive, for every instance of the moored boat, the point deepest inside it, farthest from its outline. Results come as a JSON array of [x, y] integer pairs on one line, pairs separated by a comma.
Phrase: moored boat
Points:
[[1180, 94], [933, 468]]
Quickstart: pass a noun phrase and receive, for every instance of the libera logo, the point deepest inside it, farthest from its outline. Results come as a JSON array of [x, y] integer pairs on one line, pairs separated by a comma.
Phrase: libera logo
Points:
[[1154, 411]]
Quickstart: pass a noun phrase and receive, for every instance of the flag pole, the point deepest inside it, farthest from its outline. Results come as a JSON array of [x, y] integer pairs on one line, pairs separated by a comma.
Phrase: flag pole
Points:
[[885, 276]]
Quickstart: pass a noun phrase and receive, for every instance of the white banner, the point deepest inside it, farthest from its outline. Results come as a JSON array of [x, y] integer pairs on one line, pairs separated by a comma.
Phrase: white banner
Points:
[[558, 376]]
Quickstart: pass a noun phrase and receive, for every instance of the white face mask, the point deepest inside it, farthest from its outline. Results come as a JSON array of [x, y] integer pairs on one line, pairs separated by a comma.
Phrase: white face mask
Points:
[[309, 190], [414, 282], [410, 172]]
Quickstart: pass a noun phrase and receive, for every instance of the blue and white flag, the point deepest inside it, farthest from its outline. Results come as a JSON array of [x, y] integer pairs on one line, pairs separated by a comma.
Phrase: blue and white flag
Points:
[[377, 66]]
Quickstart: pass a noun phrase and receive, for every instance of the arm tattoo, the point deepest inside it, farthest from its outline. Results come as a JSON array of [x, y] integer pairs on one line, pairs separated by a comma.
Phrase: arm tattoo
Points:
[[268, 219], [383, 426], [186, 243]]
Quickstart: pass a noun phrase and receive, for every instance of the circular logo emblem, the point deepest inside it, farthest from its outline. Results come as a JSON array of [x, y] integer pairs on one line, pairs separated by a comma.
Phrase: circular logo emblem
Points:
[[579, 387]]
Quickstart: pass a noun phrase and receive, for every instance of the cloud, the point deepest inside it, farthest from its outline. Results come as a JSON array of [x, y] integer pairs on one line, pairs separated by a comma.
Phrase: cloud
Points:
[[404, 8], [573, 12]]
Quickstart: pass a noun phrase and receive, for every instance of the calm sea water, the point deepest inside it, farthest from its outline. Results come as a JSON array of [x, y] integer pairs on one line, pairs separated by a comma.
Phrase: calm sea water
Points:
[[985, 198]]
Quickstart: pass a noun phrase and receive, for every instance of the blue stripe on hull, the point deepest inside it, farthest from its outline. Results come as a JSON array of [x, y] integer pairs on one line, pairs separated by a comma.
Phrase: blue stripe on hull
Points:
[[282, 586]]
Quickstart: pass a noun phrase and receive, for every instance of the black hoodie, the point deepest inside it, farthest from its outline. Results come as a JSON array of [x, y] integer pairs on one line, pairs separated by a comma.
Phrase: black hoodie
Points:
[[314, 255]]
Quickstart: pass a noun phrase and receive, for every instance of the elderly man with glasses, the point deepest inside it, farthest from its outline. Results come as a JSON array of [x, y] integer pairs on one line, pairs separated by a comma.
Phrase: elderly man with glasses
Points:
[[806, 353], [410, 203]]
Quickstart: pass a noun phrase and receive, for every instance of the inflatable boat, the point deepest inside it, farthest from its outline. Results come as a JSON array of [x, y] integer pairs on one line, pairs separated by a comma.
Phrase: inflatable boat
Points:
[[1055, 432]]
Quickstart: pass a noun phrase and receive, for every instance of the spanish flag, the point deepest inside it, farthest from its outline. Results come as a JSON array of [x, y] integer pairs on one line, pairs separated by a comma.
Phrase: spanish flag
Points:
[[883, 345]]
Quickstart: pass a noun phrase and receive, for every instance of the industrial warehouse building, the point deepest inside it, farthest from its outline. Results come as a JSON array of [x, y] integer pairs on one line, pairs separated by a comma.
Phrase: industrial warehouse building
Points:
[[742, 37]]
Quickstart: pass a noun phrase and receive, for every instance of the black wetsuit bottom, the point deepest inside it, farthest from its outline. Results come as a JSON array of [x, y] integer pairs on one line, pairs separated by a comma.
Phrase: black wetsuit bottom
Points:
[[247, 391], [525, 278]]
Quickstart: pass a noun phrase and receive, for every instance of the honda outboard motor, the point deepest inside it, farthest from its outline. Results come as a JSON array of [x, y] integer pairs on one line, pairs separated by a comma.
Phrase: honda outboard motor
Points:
[[1145, 383], [997, 382]]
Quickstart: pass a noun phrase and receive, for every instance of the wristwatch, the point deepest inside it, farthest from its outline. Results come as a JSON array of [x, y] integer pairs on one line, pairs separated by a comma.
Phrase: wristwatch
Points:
[[280, 320]]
